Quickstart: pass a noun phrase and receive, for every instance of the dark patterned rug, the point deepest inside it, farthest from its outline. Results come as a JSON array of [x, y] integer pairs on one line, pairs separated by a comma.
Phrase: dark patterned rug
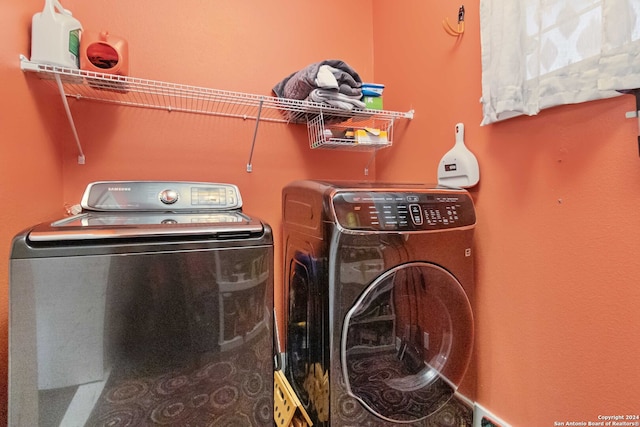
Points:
[[229, 389], [458, 412], [390, 388]]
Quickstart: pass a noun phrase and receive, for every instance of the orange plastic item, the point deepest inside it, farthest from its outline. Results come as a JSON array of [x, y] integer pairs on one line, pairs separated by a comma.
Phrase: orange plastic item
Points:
[[104, 53]]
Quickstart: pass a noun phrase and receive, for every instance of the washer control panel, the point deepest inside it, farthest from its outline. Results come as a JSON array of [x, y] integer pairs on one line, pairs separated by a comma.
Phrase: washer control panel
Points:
[[160, 196], [380, 211]]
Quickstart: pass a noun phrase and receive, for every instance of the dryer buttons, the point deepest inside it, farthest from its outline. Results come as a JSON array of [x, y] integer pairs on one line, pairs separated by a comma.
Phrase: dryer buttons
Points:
[[416, 214]]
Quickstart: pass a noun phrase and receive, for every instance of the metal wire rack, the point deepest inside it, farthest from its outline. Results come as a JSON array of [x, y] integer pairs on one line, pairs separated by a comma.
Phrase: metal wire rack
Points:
[[355, 134], [137, 92]]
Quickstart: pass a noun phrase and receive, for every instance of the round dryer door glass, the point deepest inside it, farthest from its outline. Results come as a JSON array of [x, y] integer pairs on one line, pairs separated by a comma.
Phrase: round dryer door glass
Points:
[[407, 342]]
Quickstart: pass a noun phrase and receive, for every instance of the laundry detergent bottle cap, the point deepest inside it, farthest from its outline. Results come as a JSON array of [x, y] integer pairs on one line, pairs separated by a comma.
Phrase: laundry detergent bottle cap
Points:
[[55, 36]]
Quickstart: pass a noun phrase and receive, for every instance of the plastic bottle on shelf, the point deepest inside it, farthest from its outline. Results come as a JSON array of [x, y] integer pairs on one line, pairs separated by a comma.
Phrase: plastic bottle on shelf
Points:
[[55, 36], [103, 52]]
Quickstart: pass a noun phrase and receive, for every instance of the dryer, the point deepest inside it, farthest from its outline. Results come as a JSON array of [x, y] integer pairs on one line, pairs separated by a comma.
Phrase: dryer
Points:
[[152, 306], [378, 291]]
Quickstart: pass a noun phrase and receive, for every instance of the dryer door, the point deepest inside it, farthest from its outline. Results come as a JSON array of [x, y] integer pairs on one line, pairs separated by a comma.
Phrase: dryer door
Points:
[[407, 341]]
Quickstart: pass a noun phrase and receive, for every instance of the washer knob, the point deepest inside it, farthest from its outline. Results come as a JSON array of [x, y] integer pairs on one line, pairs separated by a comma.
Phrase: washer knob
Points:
[[169, 197]]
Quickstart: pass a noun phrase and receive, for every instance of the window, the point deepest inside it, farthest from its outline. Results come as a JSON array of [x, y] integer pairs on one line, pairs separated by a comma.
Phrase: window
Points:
[[538, 54]]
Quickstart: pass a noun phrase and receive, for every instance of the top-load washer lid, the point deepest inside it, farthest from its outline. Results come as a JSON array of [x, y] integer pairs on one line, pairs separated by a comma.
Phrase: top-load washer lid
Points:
[[130, 209]]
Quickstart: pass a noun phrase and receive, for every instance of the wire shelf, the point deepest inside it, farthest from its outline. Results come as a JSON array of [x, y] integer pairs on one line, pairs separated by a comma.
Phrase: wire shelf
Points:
[[372, 133], [137, 92]]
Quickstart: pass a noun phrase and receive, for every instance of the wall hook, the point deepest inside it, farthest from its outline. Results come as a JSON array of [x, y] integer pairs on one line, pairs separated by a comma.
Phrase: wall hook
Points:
[[636, 113], [459, 30]]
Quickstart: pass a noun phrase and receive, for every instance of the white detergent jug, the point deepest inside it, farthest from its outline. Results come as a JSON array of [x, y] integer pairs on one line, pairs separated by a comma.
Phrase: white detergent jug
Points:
[[55, 36]]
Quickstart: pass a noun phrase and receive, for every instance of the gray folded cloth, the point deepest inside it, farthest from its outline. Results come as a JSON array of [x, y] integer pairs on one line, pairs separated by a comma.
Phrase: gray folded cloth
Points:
[[335, 98], [299, 85]]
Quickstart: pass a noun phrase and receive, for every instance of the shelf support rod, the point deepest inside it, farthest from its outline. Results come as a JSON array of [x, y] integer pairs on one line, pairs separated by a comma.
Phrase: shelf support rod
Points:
[[70, 117], [255, 134]]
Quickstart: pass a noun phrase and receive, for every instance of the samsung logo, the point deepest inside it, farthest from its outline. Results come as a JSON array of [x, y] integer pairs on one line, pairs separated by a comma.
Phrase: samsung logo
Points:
[[119, 188]]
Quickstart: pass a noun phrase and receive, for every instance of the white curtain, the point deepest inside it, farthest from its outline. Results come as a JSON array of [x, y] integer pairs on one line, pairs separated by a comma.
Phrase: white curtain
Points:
[[538, 54]]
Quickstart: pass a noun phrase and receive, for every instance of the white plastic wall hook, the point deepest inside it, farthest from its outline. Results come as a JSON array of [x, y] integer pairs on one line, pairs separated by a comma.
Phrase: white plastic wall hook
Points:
[[636, 113]]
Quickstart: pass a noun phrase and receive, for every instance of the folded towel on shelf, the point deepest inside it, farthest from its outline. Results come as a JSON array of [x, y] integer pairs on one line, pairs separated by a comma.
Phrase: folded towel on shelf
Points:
[[338, 84], [334, 78], [334, 98], [325, 78]]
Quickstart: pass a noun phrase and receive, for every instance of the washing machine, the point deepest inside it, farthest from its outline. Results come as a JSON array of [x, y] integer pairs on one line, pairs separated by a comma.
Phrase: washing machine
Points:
[[151, 306], [378, 287]]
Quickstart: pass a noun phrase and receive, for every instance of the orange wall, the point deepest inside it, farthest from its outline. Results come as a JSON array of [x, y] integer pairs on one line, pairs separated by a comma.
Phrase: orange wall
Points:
[[556, 236], [30, 157], [558, 233]]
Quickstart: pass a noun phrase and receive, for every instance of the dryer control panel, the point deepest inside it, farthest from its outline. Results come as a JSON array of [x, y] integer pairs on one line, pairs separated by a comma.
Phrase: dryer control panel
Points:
[[383, 211]]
